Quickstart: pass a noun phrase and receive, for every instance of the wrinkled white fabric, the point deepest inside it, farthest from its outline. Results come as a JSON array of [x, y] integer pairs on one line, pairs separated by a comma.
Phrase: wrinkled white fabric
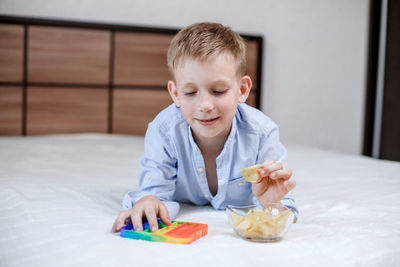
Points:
[[60, 194]]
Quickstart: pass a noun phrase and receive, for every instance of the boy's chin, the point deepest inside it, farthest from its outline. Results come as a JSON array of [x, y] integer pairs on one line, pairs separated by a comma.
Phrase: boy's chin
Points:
[[207, 134]]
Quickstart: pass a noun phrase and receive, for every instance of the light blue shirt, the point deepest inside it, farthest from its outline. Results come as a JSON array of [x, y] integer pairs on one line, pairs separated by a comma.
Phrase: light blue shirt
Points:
[[173, 169]]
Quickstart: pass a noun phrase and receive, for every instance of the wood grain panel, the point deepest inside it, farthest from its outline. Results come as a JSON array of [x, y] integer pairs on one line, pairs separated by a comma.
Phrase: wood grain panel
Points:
[[66, 110], [67, 55], [141, 59], [252, 61], [73, 64], [251, 100], [11, 52], [134, 109], [10, 110]]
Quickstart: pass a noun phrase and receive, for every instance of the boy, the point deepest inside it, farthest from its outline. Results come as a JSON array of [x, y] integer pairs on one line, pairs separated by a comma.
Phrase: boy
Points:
[[195, 148]]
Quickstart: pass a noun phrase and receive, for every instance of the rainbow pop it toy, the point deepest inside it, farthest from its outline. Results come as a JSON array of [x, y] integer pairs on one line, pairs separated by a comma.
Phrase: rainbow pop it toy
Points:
[[178, 232]]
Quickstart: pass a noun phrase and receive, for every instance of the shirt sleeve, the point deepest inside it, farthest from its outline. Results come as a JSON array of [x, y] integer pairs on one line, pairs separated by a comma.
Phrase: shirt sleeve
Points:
[[271, 147], [158, 171]]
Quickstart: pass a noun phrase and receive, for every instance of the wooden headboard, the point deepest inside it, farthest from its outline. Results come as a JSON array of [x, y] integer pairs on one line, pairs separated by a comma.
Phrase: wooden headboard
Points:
[[73, 77]]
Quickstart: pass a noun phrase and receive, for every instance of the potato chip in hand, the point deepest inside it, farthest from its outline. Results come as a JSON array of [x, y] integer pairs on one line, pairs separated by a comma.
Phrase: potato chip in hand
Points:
[[250, 174]]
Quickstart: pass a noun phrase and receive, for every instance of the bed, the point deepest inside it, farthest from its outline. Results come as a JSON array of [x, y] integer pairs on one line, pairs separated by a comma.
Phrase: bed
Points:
[[59, 196]]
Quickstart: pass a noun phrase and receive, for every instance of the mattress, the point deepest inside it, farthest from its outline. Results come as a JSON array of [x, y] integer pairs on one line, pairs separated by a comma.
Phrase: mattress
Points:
[[59, 196]]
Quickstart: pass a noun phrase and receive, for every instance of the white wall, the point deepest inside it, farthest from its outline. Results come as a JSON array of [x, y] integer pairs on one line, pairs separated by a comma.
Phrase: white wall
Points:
[[314, 60]]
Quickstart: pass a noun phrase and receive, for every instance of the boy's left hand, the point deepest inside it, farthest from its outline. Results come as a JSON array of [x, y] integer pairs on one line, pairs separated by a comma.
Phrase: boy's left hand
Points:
[[274, 182]]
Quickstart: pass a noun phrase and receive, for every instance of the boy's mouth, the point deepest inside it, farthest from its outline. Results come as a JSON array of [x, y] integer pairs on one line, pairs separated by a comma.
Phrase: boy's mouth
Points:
[[207, 122]]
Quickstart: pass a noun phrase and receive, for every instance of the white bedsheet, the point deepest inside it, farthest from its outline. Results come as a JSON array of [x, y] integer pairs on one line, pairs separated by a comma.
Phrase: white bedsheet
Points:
[[59, 196]]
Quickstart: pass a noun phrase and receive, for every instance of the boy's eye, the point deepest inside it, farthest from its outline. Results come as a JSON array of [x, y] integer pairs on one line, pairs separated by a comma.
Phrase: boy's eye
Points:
[[189, 93], [219, 92]]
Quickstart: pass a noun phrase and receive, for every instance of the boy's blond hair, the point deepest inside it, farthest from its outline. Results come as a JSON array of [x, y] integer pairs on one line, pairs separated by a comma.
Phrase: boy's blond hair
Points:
[[204, 40]]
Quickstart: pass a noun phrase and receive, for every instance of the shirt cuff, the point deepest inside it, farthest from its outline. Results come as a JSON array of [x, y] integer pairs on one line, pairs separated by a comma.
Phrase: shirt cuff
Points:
[[289, 203], [172, 207], [132, 197]]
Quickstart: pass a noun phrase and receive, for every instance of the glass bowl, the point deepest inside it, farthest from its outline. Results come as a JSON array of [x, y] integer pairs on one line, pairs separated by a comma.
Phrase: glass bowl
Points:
[[261, 225]]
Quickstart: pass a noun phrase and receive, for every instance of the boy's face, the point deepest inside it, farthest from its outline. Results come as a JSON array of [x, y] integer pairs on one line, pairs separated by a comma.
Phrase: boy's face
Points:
[[208, 93]]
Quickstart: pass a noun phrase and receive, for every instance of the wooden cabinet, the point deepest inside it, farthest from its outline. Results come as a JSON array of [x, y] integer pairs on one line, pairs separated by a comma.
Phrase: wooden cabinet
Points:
[[389, 143], [382, 110]]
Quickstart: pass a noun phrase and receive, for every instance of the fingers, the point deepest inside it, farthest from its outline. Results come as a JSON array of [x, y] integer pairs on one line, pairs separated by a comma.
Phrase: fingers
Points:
[[121, 221], [274, 170], [289, 185], [149, 206], [281, 174], [136, 217], [151, 216], [268, 167], [164, 215]]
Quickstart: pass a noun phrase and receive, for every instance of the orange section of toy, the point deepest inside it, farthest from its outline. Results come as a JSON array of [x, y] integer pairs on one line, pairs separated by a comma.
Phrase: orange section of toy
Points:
[[183, 232]]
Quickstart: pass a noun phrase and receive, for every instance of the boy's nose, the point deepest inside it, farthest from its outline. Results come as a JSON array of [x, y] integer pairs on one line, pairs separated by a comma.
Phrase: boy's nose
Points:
[[206, 103]]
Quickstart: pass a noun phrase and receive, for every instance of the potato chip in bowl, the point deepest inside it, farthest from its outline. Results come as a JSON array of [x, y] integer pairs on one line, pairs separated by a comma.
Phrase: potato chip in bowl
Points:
[[264, 225]]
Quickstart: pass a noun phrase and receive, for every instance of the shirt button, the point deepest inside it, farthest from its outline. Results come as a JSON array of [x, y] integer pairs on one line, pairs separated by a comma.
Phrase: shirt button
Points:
[[206, 195], [195, 149], [201, 169], [148, 176], [240, 183]]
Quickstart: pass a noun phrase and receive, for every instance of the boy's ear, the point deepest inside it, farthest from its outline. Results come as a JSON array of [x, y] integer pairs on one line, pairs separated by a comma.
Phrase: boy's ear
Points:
[[245, 87], [173, 92]]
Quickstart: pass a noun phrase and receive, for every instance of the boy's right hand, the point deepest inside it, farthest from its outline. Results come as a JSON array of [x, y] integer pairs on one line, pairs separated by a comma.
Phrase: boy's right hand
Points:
[[148, 206]]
